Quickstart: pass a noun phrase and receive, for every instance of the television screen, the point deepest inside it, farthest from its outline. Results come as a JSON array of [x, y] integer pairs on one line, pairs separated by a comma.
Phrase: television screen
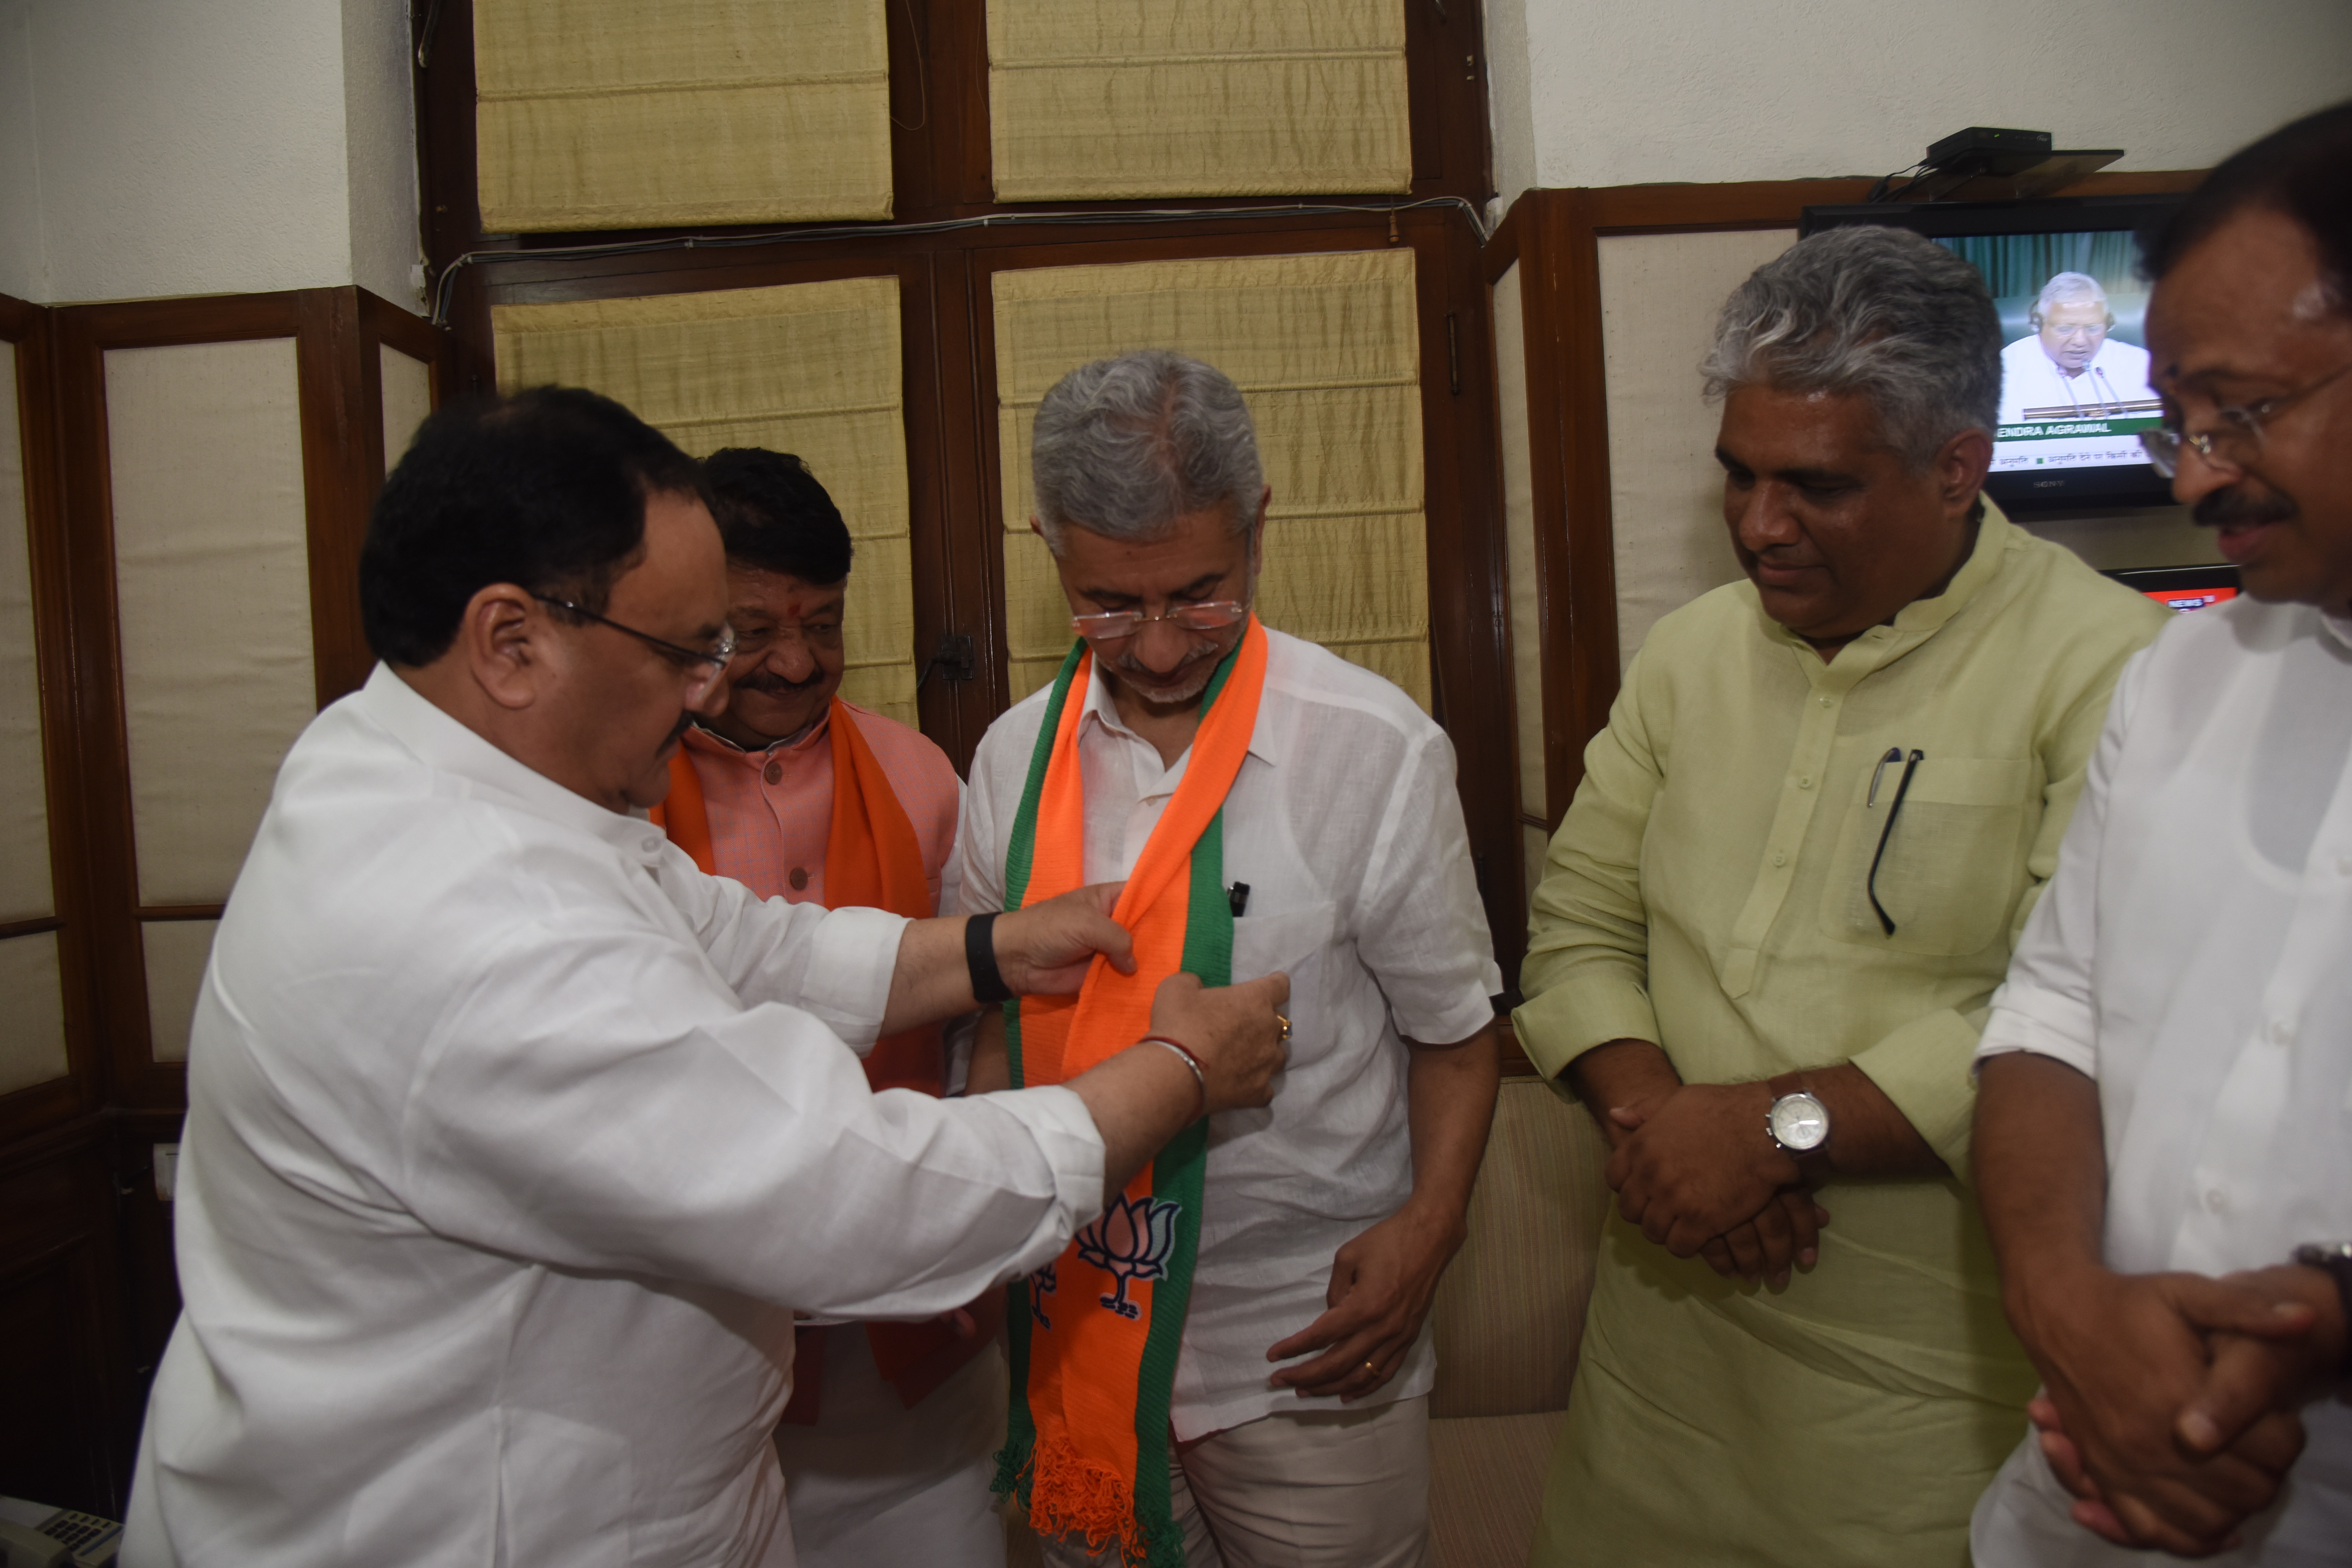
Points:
[[2074, 396], [2182, 587]]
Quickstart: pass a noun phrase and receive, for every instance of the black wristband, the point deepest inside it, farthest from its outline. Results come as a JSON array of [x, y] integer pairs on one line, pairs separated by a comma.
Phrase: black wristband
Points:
[[980, 957]]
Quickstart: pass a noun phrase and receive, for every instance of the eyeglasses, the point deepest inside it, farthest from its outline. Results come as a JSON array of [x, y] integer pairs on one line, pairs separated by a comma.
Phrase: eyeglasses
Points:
[[2237, 434], [2078, 329], [704, 668], [1215, 616], [1902, 787]]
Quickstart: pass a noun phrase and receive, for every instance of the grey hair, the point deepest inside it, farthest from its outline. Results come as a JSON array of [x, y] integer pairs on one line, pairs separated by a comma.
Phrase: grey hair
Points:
[[2065, 288], [1882, 313], [1125, 445]]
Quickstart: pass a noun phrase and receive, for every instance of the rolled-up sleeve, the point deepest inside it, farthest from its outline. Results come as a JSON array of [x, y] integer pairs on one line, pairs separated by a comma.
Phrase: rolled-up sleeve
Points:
[[1586, 975]]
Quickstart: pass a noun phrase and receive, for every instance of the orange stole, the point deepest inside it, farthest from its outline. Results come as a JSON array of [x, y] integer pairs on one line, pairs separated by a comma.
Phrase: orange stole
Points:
[[872, 858], [1096, 1393]]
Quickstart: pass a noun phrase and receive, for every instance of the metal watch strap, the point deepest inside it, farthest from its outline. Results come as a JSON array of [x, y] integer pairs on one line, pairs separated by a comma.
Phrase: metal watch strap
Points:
[[2335, 1258], [980, 957]]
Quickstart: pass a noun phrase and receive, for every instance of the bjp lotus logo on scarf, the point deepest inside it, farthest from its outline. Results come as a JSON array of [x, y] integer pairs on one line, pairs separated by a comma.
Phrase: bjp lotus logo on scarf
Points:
[[1131, 1241]]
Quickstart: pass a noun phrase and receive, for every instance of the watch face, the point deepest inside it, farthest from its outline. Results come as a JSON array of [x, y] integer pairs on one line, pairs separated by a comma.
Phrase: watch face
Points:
[[1800, 1122]]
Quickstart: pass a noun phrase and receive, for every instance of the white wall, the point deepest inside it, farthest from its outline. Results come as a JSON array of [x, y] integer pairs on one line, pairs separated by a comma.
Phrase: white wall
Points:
[[161, 147], [1608, 93]]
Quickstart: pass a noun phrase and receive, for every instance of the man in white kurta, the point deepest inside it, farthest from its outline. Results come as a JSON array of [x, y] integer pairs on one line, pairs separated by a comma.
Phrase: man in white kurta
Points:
[[516, 1137], [2163, 1117]]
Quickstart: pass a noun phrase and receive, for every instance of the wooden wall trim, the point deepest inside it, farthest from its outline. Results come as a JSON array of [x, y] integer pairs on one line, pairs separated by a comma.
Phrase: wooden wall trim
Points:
[[1554, 236], [32, 329]]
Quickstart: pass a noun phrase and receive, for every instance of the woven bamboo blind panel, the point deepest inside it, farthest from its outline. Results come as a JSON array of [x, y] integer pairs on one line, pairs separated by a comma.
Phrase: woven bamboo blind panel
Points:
[[24, 886], [1325, 350], [213, 586], [1659, 294], [32, 995], [407, 385], [1098, 99], [175, 953], [595, 114], [32, 1011], [807, 368]]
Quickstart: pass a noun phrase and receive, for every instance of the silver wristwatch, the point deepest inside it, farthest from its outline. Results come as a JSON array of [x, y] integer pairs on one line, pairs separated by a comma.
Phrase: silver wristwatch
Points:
[[1798, 1123]]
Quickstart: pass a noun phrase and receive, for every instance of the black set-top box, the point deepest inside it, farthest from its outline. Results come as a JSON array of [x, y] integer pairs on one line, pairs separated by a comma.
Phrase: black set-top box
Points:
[[1982, 141]]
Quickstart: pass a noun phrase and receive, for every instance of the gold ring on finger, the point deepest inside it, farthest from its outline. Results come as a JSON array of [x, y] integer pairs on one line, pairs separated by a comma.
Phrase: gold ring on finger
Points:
[[1284, 1038], [1371, 1368]]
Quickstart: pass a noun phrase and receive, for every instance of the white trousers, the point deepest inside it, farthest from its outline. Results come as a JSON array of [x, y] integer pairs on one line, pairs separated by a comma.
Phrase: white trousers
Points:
[[873, 1484], [1323, 1488]]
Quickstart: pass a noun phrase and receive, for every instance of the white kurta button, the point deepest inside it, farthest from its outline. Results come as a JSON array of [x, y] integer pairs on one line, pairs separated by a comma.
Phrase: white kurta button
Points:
[[2216, 1200], [1825, 702], [2281, 1031], [1805, 781], [1780, 857]]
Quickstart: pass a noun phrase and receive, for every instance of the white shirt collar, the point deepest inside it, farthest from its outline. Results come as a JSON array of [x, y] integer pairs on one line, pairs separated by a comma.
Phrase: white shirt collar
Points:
[[1103, 710], [446, 746]]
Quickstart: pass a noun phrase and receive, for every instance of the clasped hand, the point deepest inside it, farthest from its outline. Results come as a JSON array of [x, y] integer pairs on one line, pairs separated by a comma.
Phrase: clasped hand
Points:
[[1695, 1170], [2169, 1401]]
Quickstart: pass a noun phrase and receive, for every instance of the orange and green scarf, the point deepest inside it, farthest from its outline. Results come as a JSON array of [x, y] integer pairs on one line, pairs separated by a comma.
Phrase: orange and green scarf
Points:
[[1094, 1334]]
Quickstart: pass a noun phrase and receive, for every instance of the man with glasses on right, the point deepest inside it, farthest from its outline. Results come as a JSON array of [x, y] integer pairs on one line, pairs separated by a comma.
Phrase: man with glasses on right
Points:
[[2164, 1118]]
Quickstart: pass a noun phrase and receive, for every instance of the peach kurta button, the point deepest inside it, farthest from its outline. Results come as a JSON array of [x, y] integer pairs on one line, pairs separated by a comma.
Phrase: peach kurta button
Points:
[[775, 774], [799, 878]]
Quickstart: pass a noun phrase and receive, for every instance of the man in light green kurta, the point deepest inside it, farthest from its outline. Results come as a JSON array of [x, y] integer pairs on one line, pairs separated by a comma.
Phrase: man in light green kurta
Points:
[[1800, 855]]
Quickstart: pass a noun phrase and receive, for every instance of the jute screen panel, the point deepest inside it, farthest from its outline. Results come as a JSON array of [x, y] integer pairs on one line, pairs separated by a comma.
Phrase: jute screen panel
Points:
[[176, 952], [645, 113], [807, 368], [32, 999], [1325, 348], [407, 383], [1519, 547], [1096, 100], [213, 585], [32, 1011], [25, 889], [1659, 295]]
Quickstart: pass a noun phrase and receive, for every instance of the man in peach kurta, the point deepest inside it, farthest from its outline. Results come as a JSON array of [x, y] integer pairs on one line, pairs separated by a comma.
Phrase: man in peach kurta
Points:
[[886, 1446]]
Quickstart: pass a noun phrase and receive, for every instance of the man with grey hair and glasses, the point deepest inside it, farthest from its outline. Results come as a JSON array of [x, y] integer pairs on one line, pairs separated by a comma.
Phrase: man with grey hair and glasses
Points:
[[1233, 1366], [2071, 367], [1771, 924]]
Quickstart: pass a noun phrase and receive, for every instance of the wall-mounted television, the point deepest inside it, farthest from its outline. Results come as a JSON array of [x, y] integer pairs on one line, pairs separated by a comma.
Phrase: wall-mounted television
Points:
[[2065, 274]]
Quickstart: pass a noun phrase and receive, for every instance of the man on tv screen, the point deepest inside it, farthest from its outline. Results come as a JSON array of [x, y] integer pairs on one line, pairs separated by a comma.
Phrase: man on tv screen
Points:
[[2070, 367]]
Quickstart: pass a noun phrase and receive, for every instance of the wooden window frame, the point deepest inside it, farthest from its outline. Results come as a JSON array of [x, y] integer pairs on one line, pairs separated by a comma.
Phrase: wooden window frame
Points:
[[32, 329]]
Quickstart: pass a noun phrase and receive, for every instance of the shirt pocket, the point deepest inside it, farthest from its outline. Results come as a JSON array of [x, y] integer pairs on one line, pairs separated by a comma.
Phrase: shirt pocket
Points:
[[1954, 862], [1292, 941]]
